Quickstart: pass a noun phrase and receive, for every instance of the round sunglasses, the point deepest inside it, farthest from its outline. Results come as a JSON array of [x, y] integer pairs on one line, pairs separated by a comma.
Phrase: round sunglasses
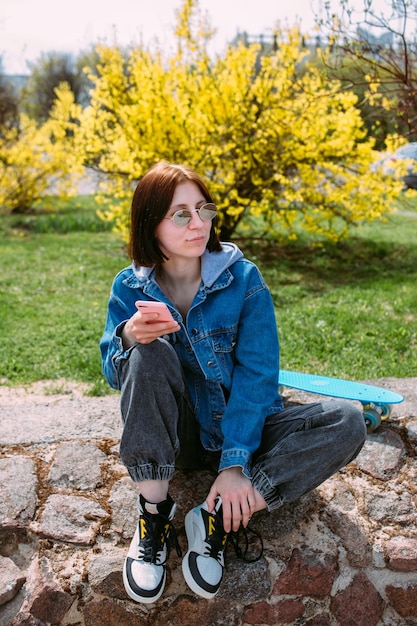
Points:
[[206, 213]]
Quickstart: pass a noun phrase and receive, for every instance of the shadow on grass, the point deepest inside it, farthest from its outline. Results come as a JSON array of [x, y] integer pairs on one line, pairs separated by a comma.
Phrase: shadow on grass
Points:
[[358, 260]]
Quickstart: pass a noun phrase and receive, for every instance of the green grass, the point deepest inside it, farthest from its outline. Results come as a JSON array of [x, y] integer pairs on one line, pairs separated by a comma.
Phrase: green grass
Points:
[[54, 288], [346, 309], [55, 216]]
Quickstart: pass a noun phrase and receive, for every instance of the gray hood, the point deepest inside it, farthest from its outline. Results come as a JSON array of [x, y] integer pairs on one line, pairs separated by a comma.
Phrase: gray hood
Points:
[[213, 264]]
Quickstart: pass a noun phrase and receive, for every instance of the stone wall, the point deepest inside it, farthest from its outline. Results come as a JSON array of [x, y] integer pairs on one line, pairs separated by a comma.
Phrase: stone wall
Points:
[[346, 554]]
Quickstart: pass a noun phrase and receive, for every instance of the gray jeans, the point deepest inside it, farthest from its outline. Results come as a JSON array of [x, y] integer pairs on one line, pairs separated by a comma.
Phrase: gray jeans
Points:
[[301, 446]]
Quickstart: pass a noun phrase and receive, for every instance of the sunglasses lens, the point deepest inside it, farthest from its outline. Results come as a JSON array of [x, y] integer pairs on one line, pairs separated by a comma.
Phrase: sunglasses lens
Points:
[[182, 218], [208, 212]]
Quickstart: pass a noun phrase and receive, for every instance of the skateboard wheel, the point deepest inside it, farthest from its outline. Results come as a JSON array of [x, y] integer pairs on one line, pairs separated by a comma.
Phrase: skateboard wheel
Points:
[[386, 410], [372, 419]]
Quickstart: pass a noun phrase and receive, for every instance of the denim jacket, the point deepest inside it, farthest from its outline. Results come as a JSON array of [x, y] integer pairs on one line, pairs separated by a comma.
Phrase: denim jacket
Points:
[[227, 345]]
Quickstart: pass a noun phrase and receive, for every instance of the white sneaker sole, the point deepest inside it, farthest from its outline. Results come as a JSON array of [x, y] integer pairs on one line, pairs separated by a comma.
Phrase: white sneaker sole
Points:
[[190, 556], [145, 599]]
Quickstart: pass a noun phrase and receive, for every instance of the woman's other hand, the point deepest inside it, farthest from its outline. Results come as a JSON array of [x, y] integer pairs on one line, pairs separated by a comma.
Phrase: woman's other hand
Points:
[[238, 498], [144, 328]]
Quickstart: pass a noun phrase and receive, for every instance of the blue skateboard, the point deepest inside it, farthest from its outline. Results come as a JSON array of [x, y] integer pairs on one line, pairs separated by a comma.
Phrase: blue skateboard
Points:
[[376, 401]]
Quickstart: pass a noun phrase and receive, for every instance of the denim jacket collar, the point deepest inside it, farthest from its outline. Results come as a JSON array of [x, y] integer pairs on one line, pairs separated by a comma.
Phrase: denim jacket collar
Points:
[[213, 268]]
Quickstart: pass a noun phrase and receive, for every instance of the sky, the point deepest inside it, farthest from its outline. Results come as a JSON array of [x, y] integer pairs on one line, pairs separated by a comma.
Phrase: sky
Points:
[[30, 27]]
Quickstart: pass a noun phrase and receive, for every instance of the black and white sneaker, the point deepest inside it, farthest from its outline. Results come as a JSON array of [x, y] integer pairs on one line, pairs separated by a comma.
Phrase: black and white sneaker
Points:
[[144, 572], [203, 564]]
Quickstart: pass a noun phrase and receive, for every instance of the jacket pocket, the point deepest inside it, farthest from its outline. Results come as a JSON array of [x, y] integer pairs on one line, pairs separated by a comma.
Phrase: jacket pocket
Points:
[[224, 341], [223, 346]]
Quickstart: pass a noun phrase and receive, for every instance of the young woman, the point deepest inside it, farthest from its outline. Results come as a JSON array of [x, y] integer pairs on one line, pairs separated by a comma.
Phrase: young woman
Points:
[[201, 388]]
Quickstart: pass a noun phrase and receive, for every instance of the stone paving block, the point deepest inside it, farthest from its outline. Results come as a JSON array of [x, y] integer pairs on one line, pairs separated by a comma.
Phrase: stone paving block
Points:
[[58, 419], [402, 554], [123, 501], [254, 580], [11, 579], [107, 612], [75, 519], [18, 483], [309, 572], [45, 601], [77, 465], [283, 612], [382, 454], [412, 431], [359, 604], [390, 507], [105, 574], [354, 539], [404, 599]]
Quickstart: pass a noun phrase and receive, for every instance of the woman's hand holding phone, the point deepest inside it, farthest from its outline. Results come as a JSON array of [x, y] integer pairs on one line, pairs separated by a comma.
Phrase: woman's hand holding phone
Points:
[[160, 308], [152, 320]]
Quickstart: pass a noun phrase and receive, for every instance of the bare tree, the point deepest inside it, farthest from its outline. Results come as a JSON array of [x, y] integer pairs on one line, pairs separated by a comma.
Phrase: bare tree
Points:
[[377, 48], [8, 102], [47, 73]]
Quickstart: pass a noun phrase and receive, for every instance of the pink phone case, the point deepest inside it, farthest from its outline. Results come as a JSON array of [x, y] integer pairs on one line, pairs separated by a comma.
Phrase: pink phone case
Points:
[[156, 307]]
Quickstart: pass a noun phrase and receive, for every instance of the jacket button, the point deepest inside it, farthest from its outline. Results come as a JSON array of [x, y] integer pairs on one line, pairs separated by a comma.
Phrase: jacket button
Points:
[[195, 331], [210, 363]]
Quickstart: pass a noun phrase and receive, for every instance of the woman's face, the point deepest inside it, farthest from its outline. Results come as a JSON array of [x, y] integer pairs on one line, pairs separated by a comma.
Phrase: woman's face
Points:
[[187, 241]]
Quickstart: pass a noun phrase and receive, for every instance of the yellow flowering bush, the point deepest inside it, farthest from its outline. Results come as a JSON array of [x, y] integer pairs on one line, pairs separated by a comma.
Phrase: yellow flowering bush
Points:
[[275, 140], [36, 160]]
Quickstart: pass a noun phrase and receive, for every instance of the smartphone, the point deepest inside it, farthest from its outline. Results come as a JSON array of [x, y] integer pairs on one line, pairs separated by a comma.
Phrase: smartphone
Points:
[[155, 307]]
